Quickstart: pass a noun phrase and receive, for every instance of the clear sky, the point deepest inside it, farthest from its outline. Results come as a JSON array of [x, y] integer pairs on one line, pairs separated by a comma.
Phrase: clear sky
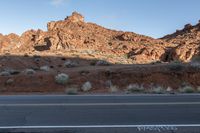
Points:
[[149, 17]]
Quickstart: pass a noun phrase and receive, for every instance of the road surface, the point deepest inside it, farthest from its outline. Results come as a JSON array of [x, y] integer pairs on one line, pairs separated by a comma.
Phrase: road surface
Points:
[[100, 114]]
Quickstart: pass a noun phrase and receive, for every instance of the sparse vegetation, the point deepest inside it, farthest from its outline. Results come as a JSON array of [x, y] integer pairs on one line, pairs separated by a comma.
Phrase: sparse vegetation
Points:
[[62, 47], [87, 86], [14, 72], [5, 73], [126, 56], [158, 90], [113, 89], [102, 63], [29, 71], [71, 91], [45, 68], [62, 79], [169, 90], [187, 89], [9, 81], [134, 88], [70, 64]]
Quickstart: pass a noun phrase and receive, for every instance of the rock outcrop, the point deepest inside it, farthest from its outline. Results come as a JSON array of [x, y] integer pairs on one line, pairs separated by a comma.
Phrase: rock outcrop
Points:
[[188, 41], [74, 33]]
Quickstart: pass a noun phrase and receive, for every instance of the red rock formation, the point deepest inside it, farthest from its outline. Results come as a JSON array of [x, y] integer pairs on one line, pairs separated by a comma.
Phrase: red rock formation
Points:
[[9, 42], [74, 33], [188, 41]]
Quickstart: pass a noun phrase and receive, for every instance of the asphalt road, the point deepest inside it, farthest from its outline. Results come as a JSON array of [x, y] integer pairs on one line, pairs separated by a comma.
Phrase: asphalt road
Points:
[[101, 114]]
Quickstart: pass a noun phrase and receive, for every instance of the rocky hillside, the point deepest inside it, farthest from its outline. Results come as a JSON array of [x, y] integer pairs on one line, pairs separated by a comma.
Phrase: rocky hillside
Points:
[[188, 41], [74, 35]]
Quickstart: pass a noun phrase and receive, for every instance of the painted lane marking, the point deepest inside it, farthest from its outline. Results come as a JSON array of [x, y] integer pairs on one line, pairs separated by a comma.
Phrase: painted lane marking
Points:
[[100, 126], [101, 104], [102, 95]]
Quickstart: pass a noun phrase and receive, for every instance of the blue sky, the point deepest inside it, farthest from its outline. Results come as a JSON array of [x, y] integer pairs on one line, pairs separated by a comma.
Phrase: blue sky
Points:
[[149, 17]]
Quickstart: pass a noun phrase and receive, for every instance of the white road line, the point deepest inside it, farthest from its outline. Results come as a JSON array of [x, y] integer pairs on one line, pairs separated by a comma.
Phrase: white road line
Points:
[[99, 126], [103, 95], [101, 104]]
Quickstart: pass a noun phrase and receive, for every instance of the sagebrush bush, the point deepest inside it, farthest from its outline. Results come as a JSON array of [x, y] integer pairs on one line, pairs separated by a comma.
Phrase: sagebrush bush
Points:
[[87, 86], [45, 68], [102, 63], [169, 90], [134, 88], [5, 73], [113, 89], [62, 79], [29, 71], [187, 89], [9, 81], [70, 64], [158, 90]]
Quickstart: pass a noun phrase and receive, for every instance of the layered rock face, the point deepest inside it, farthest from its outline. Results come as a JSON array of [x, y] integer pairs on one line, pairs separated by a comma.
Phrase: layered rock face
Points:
[[188, 41], [74, 33]]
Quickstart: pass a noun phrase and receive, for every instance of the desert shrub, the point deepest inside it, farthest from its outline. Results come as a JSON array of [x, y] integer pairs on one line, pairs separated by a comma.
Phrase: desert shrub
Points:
[[45, 68], [134, 88], [113, 89], [87, 86], [187, 89], [14, 72], [158, 90], [62, 79], [5, 73], [72, 91], [9, 81], [169, 90], [102, 63], [29, 71], [70, 64], [126, 56]]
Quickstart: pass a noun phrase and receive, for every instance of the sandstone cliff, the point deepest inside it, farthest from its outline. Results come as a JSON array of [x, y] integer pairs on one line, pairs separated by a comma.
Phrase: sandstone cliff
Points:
[[74, 34], [188, 41]]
